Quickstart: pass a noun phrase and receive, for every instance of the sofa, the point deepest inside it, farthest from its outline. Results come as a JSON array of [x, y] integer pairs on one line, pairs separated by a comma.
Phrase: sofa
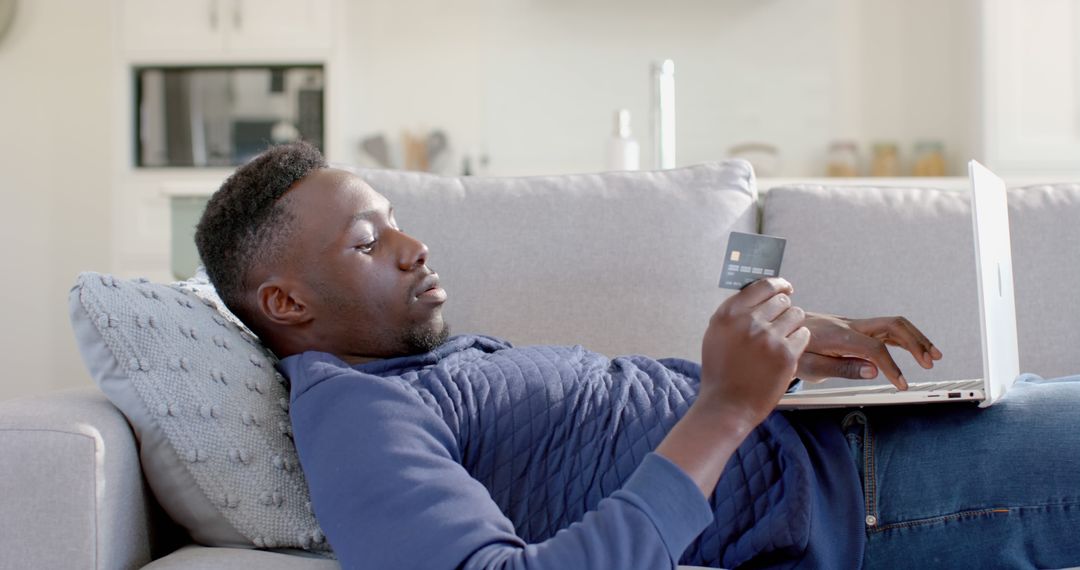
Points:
[[618, 262]]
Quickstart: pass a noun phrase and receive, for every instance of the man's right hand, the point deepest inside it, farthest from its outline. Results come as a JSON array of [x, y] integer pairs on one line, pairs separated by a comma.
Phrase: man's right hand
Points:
[[748, 356], [751, 350]]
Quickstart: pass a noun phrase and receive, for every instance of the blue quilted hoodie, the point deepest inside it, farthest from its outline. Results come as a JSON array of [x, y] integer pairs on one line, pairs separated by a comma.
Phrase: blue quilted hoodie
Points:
[[482, 455]]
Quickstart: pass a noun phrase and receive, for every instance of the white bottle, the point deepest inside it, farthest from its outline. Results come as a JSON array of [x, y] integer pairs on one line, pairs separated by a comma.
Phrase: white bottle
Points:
[[623, 150]]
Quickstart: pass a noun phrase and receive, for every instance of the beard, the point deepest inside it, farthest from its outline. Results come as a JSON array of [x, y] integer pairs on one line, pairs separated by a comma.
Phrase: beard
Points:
[[425, 339]]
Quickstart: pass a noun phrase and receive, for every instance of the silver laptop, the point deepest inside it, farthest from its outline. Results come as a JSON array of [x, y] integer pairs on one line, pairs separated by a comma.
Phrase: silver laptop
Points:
[[997, 319]]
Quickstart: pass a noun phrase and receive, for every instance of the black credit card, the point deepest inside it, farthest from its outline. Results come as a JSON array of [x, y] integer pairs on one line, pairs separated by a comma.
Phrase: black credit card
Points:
[[751, 257]]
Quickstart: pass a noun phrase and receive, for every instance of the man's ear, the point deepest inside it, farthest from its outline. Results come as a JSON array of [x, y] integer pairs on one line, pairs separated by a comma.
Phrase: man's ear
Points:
[[280, 303]]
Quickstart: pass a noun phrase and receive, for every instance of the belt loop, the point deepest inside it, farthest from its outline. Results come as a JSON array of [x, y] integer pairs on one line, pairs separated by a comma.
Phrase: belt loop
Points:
[[852, 418], [856, 428]]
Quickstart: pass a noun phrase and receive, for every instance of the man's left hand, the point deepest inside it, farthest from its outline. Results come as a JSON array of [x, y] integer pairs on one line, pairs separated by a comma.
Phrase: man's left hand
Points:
[[855, 348]]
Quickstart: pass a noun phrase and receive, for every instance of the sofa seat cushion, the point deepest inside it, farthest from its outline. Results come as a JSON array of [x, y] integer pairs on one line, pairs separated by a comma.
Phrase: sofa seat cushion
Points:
[[194, 557], [206, 558]]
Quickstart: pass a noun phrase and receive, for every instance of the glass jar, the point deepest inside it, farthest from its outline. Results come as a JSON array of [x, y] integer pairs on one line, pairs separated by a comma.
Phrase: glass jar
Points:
[[842, 159], [929, 158], [886, 160], [764, 157]]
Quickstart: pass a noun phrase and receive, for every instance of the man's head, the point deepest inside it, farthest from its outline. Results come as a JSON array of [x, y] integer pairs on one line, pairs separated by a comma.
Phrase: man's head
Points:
[[311, 258]]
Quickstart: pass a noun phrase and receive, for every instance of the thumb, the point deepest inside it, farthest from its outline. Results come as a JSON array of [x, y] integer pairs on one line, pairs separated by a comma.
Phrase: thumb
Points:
[[816, 367]]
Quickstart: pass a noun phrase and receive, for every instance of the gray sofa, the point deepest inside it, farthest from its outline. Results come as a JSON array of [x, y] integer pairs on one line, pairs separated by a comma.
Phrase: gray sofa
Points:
[[618, 262]]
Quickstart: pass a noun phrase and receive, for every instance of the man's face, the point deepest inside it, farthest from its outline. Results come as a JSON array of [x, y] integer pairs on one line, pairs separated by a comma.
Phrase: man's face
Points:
[[368, 288]]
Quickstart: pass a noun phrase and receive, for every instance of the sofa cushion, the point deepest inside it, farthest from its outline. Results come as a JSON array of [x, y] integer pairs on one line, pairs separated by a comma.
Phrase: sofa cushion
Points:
[[866, 251], [573, 275], [207, 406], [863, 251], [1044, 233]]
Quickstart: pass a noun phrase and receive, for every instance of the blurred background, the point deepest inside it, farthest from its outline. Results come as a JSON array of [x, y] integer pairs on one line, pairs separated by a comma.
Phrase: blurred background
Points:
[[120, 116]]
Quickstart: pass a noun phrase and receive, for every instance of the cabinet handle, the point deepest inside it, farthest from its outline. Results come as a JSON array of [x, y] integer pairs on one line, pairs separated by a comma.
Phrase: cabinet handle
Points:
[[238, 14], [213, 13]]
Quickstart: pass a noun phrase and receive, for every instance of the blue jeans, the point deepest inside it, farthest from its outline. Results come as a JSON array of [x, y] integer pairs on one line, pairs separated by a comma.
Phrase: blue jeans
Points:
[[963, 487]]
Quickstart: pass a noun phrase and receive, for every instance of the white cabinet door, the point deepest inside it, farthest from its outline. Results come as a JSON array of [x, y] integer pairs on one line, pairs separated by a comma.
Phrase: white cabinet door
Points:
[[1031, 86], [157, 26], [259, 25]]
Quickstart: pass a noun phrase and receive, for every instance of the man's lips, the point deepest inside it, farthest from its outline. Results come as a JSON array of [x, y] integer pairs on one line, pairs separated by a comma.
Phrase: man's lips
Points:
[[429, 290]]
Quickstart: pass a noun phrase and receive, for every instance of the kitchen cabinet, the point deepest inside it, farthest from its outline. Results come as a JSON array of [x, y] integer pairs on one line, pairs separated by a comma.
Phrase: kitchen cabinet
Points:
[[225, 28]]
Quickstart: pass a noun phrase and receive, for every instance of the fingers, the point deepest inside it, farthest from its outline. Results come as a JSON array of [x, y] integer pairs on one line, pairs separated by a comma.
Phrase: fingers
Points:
[[913, 340], [874, 350], [761, 290], [786, 319], [816, 367], [929, 351], [791, 319], [900, 332], [798, 340], [773, 307]]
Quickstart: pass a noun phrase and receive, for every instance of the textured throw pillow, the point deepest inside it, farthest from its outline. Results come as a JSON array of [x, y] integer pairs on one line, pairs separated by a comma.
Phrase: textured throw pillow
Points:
[[207, 406]]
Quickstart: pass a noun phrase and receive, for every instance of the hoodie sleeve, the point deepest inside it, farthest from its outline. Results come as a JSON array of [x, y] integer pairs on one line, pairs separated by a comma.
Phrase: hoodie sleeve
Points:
[[389, 491]]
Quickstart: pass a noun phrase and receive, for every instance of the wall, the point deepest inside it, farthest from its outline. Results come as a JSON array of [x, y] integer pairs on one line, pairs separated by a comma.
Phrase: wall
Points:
[[920, 74], [54, 106], [534, 83]]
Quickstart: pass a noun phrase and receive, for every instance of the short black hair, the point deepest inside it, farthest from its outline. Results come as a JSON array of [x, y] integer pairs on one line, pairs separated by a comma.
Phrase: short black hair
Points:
[[246, 224]]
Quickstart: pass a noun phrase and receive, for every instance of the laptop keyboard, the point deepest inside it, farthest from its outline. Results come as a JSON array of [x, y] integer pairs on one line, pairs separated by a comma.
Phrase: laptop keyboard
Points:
[[890, 389]]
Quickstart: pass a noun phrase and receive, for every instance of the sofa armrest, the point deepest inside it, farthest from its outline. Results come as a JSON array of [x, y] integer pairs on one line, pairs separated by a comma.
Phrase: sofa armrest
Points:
[[71, 488]]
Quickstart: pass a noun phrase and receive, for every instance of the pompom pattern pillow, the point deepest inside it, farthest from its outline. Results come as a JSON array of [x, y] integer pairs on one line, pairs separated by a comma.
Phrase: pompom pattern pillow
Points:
[[207, 405]]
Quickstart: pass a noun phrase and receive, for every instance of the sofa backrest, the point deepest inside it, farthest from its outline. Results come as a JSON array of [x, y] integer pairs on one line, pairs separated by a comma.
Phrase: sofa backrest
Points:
[[1046, 263], [620, 262], [869, 251]]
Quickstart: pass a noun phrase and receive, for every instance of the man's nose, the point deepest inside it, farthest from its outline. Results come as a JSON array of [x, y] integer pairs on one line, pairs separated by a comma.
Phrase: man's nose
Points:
[[412, 253]]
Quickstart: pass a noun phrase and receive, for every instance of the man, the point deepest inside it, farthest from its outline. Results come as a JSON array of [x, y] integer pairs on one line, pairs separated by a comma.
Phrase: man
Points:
[[426, 451]]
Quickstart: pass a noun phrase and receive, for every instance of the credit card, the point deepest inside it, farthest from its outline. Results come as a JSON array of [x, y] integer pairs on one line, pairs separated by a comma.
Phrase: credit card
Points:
[[751, 257]]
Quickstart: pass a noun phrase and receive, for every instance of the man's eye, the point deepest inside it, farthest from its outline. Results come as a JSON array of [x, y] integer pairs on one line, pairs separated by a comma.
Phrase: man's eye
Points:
[[366, 247]]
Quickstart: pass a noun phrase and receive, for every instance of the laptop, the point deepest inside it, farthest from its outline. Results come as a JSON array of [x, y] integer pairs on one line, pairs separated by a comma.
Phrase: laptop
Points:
[[997, 319]]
